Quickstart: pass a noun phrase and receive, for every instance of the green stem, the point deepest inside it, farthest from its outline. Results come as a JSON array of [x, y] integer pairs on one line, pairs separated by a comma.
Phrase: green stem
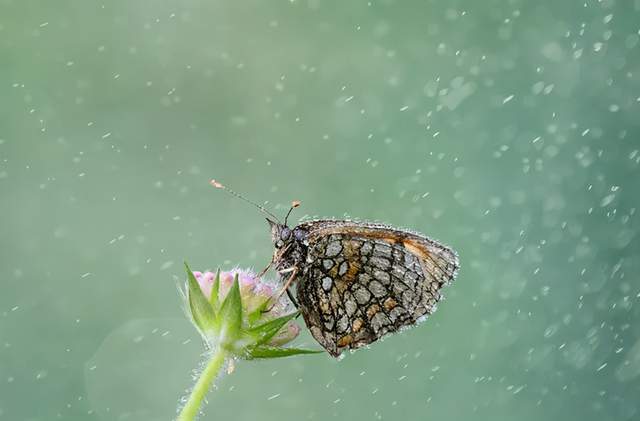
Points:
[[191, 408]]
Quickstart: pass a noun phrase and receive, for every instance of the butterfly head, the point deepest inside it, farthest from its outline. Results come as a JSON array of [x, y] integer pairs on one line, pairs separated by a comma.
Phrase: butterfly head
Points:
[[281, 234]]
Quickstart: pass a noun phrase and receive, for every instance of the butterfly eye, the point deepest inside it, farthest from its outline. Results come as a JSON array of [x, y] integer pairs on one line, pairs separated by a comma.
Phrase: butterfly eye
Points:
[[299, 234], [285, 233]]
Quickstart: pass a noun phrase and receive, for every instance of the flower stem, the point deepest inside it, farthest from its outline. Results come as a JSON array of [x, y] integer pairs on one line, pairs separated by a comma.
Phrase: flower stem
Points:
[[191, 408]]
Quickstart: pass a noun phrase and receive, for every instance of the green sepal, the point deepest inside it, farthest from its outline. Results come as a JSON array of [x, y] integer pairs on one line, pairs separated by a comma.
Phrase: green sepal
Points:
[[264, 332], [230, 315], [276, 352], [256, 314], [215, 288], [201, 311]]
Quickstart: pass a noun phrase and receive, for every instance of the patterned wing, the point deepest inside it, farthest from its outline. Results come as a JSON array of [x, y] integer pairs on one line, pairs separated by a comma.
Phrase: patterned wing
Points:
[[363, 281]]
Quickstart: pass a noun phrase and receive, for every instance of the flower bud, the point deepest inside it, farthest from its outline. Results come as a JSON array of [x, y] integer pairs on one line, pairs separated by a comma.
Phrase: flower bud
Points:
[[255, 321]]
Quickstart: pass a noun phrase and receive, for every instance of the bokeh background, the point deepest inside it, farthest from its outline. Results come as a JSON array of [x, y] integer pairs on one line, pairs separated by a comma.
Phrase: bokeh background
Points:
[[506, 128]]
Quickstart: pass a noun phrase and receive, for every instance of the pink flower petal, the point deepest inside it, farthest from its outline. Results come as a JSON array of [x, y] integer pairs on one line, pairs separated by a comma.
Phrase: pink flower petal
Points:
[[288, 333], [205, 281]]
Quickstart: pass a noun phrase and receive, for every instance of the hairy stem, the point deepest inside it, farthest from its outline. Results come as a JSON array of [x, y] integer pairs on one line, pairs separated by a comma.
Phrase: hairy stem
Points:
[[191, 408]]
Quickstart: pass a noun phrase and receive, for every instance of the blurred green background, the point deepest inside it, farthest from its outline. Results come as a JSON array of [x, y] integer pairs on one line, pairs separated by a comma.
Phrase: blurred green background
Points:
[[507, 129]]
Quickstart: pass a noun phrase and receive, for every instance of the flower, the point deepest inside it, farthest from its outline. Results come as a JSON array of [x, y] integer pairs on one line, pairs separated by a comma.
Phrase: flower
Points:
[[245, 315], [253, 291], [238, 315]]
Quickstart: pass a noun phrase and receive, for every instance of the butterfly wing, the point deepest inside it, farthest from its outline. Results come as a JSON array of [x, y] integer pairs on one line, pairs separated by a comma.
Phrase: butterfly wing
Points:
[[362, 281]]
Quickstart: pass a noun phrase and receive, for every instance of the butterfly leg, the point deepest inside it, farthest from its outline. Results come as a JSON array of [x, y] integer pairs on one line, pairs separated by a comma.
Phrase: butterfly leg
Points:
[[274, 259], [285, 288], [263, 271], [292, 298], [294, 272]]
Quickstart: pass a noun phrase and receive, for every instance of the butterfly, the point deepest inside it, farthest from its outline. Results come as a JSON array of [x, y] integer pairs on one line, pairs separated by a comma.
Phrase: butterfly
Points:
[[356, 282]]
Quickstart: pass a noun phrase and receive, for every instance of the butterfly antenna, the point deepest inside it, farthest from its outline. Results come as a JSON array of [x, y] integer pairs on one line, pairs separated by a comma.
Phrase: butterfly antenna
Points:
[[220, 186], [294, 205]]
